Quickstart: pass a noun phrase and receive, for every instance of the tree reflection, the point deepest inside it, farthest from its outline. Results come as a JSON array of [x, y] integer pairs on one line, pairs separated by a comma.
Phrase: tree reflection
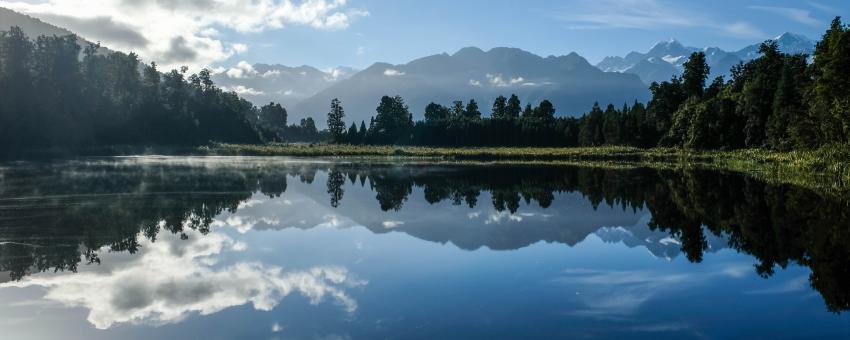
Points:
[[56, 216]]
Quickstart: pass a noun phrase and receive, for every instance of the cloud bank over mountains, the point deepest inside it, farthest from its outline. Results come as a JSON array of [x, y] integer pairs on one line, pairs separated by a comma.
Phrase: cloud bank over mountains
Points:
[[175, 33]]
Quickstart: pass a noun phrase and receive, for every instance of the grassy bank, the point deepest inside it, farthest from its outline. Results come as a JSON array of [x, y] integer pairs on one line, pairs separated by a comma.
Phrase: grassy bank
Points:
[[824, 168]]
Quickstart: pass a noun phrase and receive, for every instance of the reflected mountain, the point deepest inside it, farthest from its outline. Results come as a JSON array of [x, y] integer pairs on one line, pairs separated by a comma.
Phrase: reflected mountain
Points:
[[58, 215]]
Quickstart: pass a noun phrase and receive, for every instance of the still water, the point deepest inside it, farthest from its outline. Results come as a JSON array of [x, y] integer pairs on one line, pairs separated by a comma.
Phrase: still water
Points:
[[262, 248]]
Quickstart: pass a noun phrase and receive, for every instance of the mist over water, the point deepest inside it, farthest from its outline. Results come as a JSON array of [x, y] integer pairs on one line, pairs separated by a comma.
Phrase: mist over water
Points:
[[240, 247]]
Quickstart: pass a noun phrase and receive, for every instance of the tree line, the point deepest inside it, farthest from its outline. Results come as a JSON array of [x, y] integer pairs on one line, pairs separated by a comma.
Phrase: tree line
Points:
[[778, 101], [56, 93]]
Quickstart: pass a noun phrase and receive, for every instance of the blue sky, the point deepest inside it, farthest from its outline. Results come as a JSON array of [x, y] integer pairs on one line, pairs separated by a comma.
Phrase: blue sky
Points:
[[329, 33], [399, 31]]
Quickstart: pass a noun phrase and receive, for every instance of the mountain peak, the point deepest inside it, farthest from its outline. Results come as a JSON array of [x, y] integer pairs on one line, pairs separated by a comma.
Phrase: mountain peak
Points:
[[469, 51], [788, 36], [672, 42]]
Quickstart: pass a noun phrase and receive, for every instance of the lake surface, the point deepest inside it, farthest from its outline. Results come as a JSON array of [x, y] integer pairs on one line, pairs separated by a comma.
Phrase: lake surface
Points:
[[262, 248]]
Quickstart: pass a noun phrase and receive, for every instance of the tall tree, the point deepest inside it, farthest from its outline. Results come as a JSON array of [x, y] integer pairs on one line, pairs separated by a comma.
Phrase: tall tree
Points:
[[830, 99], [695, 73], [393, 122], [457, 110], [336, 125], [471, 111], [514, 108], [435, 113], [759, 89], [500, 108]]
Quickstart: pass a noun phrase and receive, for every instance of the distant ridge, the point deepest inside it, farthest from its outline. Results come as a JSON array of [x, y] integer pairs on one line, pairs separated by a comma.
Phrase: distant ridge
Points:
[[569, 81], [666, 59]]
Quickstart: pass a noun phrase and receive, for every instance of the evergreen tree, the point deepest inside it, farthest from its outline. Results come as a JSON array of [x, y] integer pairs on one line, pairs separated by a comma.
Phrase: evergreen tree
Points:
[[471, 111], [352, 137], [393, 123], [611, 122], [789, 125], [545, 111], [830, 99], [758, 92], [336, 125], [361, 135], [435, 113], [528, 113], [500, 108], [514, 108], [591, 133], [457, 110], [666, 99], [695, 74]]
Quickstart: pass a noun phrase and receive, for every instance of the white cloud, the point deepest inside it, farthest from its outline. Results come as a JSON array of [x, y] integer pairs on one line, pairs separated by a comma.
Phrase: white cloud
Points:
[[334, 74], [392, 224], [647, 15], [154, 28], [173, 279], [498, 217], [242, 70], [498, 81], [239, 48], [360, 50], [473, 82], [276, 327], [392, 73], [242, 90], [799, 15], [271, 74]]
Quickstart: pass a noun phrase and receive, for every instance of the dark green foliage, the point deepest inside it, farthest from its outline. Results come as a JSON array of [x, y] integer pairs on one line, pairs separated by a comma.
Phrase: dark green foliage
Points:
[[471, 111], [393, 123], [779, 101], [695, 73], [829, 100], [55, 95], [435, 113], [514, 107], [336, 125], [500, 108]]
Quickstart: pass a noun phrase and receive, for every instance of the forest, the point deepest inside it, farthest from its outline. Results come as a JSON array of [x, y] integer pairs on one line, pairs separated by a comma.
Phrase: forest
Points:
[[58, 94], [777, 101]]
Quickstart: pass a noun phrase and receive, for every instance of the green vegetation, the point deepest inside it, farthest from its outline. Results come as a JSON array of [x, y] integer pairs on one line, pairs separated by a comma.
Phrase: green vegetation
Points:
[[54, 93], [777, 101], [826, 167]]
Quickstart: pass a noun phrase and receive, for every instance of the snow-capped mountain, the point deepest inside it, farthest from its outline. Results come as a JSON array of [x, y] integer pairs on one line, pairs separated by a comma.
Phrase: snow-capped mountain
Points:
[[666, 59], [569, 81]]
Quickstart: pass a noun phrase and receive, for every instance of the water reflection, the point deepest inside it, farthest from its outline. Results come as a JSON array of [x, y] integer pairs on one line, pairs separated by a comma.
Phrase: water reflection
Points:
[[59, 216], [173, 278]]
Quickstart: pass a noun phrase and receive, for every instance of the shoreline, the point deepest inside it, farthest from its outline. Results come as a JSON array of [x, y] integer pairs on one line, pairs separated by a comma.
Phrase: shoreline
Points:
[[826, 168], [823, 169]]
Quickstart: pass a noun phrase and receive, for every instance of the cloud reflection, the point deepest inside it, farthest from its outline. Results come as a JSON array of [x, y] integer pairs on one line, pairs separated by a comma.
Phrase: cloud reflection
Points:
[[173, 279]]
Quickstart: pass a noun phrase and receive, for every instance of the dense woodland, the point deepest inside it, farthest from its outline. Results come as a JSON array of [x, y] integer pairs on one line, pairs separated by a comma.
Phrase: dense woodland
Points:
[[56, 93]]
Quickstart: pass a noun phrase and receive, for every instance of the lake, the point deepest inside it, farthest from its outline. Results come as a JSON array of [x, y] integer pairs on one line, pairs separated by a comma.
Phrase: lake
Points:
[[262, 248]]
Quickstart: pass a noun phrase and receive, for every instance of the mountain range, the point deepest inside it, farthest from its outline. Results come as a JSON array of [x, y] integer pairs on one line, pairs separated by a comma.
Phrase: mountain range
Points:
[[569, 81], [666, 59]]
